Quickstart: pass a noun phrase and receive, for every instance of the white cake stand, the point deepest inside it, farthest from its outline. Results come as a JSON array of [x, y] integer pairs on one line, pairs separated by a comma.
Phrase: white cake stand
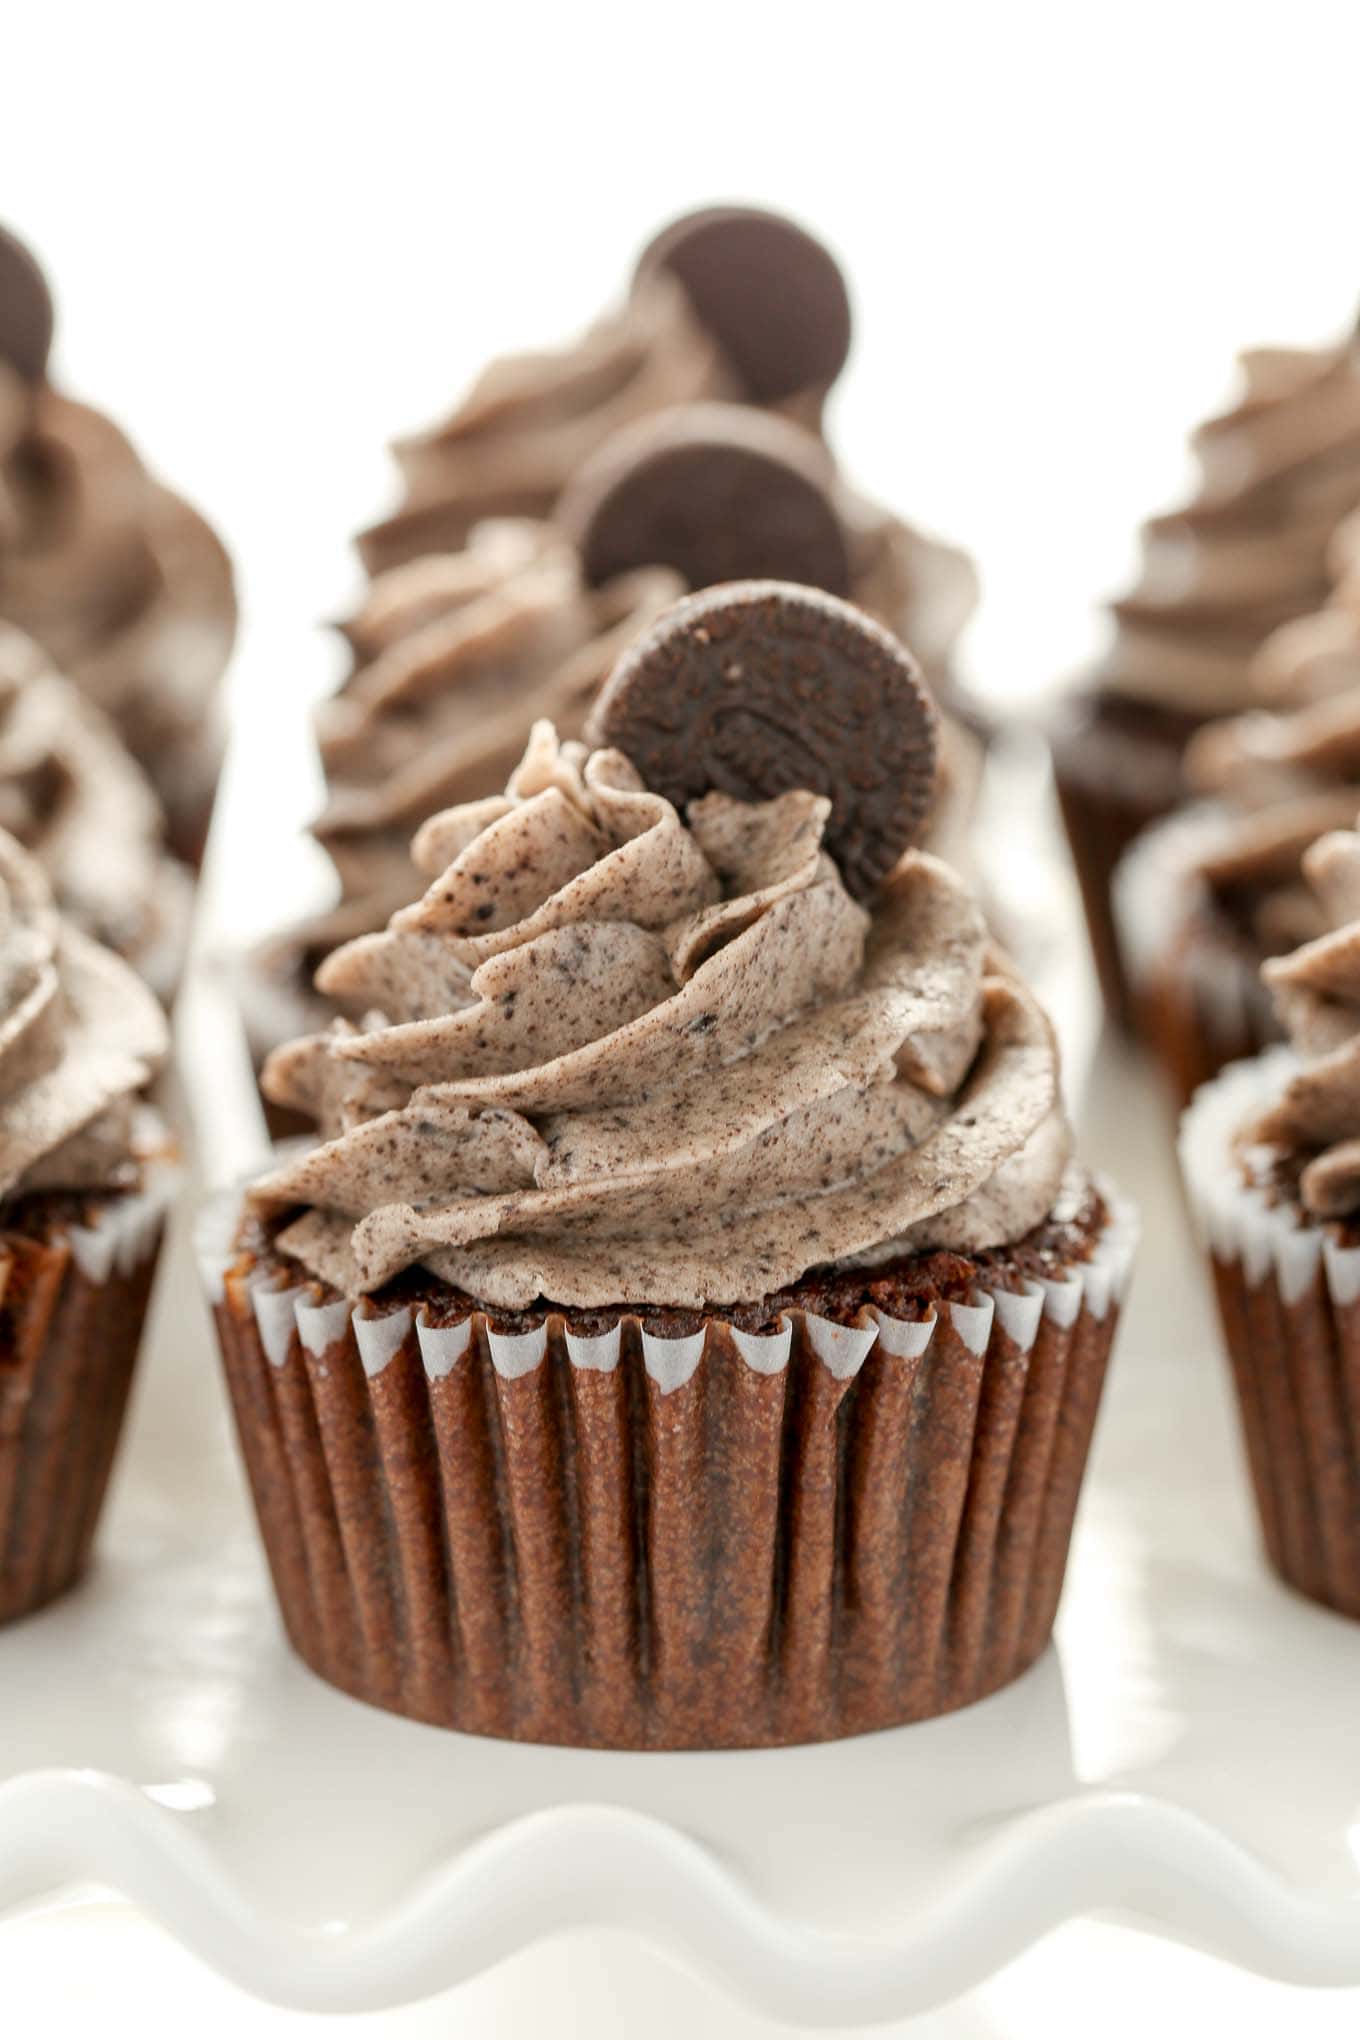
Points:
[[1186, 1757]]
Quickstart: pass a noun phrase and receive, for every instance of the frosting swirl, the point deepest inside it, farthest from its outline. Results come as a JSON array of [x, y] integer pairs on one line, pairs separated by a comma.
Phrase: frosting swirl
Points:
[[531, 420], [80, 1038], [1318, 656], [1316, 1120], [117, 578], [1248, 554], [456, 656], [78, 803], [614, 1055]]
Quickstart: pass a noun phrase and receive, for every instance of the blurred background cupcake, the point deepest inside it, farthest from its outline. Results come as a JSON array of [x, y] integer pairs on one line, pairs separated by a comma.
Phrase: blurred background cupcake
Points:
[[83, 807], [1203, 898], [694, 1250], [1271, 1157], [731, 302], [1278, 473], [120, 580], [86, 1175]]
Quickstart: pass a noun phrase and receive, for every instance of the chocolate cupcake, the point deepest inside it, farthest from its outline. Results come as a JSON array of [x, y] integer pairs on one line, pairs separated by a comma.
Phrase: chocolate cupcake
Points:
[[1248, 554], [85, 1176], [80, 804], [1205, 897], [1271, 1157], [121, 582], [457, 655], [731, 303], [689, 1329]]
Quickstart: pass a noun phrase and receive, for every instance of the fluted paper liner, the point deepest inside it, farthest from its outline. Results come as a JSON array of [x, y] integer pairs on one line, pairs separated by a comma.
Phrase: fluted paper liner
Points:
[[72, 1308], [1103, 812], [1289, 1298], [1198, 996], [643, 1542]]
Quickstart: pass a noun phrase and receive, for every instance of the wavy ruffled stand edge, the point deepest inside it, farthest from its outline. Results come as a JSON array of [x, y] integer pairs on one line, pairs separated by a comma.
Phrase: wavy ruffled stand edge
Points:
[[1197, 994], [625, 1541], [1289, 1299], [583, 1867], [72, 1309]]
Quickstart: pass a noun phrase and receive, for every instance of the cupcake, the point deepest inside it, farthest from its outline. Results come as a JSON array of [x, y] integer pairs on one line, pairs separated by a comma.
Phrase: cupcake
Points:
[[85, 1177], [119, 580], [688, 1329], [1271, 1156], [457, 655], [730, 303], [1248, 554], [79, 804], [1204, 897]]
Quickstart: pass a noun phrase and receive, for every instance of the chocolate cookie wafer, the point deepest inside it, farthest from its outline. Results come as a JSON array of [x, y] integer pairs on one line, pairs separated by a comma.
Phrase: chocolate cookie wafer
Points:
[[759, 688]]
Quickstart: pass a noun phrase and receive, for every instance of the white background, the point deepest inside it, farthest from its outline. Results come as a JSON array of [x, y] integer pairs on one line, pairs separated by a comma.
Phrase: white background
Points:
[[280, 234]]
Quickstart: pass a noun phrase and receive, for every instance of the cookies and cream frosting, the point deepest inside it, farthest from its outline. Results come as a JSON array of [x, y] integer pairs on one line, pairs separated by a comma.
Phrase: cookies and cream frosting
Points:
[[80, 1038], [616, 1054], [456, 656], [531, 420], [1248, 554], [1316, 1119], [76, 800]]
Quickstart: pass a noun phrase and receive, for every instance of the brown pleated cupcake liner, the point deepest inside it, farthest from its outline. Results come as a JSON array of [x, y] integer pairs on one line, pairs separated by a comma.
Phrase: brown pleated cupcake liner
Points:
[[1102, 815], [72, 1307], [1195, 987], [627, 1541], [1289, 1299]]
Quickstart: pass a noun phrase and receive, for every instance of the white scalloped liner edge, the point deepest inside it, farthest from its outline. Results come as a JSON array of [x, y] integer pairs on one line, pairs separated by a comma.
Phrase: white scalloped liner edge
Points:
[[581, 1867], [126, 1230], [1236, 1218], [1097, 1283]]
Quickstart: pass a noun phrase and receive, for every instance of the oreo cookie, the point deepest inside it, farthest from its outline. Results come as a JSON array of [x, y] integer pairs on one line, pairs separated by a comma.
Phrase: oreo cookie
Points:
[[719, 492], [760, 688], [26, 316], [772, 296]]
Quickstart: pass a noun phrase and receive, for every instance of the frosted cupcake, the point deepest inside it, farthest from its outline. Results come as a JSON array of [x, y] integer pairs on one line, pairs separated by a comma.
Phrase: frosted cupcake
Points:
[[1203, 898], [456, 656], [689, 1328], [730, 303], [1271, 1155], [84, 1182], [83, 808], [1248, 554], [120, 581]]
